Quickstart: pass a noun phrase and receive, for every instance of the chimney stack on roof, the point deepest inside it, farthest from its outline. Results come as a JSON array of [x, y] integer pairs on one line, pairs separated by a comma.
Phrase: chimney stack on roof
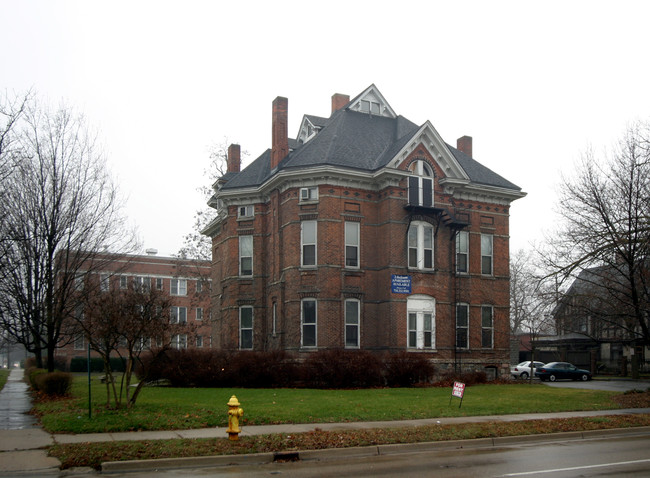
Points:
[[339, 101], [234, 158], [464, 145], [280, 131]]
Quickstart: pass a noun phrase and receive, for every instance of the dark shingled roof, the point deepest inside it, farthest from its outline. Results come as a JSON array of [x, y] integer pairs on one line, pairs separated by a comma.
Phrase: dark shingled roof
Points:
[[349, 139]]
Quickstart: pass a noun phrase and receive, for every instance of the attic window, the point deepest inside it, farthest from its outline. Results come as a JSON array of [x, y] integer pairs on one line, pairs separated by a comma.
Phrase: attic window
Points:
[[370, 107]]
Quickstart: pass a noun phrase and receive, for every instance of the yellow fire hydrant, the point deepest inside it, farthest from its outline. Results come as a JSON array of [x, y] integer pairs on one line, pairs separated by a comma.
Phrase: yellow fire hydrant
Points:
[[234, 413]]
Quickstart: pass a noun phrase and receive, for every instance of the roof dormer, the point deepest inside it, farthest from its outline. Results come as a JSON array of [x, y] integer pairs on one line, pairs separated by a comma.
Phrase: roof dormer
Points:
[[372, 102], [309, 127]]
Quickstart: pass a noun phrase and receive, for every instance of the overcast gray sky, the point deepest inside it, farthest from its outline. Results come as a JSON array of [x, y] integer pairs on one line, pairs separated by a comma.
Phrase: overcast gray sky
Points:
[[534, 83]]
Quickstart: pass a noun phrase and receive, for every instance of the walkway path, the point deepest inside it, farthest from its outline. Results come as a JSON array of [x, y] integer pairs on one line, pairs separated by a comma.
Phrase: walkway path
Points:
[[22, 441]]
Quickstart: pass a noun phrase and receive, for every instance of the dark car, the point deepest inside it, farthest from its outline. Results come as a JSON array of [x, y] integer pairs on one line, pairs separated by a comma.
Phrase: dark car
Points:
[[555, 370]]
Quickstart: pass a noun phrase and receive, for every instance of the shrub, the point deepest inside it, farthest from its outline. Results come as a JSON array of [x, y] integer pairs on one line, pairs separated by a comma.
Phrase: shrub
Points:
[[54, 383], [405, 369], [468, 378], [32, 374], [342, 369], [218, 368]]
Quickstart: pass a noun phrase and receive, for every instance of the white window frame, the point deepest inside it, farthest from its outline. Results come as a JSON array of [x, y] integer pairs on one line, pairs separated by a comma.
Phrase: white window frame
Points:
[[124, 282], [179, 341], [352, 317], [462, 252], [159, 283], [487, 254], [246, 244], [79, 342], [199, 341], [423, 181], [309, 194], [462, 326], [352, 243], [312, 324], [419, 234], [178, 287], [199, 313], [304, 243], [420, 322], [178, 314], [104, 282], [247, 211], [246, 328], [487, 328]]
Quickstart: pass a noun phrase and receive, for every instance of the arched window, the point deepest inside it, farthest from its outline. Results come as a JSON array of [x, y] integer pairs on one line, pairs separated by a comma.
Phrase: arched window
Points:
[[421, 185]]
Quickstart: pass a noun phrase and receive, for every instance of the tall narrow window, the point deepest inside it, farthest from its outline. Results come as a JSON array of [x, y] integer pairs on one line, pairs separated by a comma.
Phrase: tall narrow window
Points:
[[308, 321], [179, 287], [486, 254], [462, 252], [421, 322], [352, 244], [246, 327], [462, 326], [352, 323], [487, 327], [420, 245], [199, 313], [104, 282], [245, 255], [421, 184], [308, 243]]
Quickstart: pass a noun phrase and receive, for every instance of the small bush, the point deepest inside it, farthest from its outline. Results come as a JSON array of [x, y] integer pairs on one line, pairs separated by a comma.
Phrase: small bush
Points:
[[405, 369], [32, 374], [54, 384], [342, 369]]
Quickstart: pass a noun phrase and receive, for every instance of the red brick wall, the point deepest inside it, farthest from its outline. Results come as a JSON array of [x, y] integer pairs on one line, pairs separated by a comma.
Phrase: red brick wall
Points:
[[278, 277]]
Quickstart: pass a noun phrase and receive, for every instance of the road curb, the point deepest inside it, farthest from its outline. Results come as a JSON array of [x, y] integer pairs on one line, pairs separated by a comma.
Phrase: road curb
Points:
[[354, 452]]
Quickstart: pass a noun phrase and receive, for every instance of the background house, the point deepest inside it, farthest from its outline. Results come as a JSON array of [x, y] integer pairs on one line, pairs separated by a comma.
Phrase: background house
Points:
[[365, 232], [185, 281], [594, 329]]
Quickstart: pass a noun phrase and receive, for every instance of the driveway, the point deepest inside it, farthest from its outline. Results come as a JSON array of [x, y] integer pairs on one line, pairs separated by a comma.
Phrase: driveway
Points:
[[621, 385]]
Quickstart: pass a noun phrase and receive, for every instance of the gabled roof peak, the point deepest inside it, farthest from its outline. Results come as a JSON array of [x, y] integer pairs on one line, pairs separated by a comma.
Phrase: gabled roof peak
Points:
[[371, 101]]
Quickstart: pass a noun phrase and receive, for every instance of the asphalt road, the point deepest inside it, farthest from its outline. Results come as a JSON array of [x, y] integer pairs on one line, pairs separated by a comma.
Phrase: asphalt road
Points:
[[605, 456], [611, 385]]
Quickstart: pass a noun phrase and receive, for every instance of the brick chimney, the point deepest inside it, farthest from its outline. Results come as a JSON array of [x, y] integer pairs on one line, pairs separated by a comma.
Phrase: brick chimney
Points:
[[339, 101], [464, 144], [280, 131], [234, 158]]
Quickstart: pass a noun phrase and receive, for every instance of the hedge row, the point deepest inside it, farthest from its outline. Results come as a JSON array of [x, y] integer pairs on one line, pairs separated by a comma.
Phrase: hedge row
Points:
[[80, 364], [322, 369]]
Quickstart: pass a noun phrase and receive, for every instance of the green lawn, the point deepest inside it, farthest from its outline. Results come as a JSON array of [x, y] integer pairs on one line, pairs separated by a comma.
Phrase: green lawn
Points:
[[160, 408], [4, 375]]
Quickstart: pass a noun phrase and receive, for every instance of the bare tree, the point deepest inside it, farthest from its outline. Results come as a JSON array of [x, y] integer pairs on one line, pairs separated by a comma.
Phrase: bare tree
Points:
[[128, 323], [61, 208], [195, 244], [606, 230], [532, 299]]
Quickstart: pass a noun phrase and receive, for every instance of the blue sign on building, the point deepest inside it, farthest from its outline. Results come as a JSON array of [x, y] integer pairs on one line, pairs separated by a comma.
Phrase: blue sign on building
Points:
[[400, 284]]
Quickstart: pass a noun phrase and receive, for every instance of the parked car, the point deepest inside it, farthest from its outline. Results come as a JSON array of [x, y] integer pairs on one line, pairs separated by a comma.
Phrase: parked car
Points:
[[556, 370], [523, 369]]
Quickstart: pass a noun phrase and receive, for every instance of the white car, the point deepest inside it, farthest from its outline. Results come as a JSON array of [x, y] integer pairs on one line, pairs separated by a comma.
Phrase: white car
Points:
[[523, 369]]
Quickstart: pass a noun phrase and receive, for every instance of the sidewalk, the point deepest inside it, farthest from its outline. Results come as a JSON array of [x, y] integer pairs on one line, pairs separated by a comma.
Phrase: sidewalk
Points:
[[23, 443]]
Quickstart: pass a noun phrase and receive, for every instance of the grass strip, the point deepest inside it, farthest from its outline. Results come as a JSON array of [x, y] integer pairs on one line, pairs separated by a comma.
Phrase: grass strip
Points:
[[93, 454], [4, 376], [161, 408]]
